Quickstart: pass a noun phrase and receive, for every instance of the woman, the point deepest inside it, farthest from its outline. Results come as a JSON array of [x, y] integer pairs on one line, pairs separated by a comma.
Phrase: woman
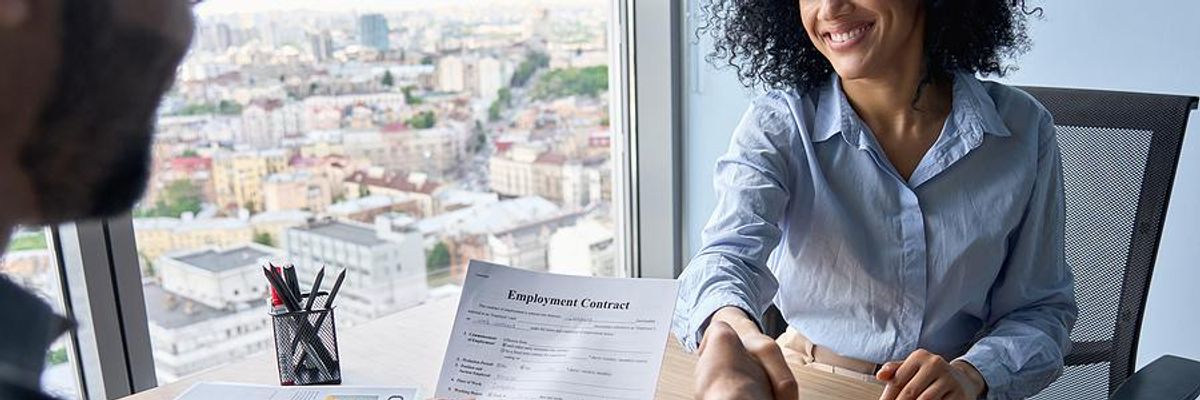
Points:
[[905, 217]]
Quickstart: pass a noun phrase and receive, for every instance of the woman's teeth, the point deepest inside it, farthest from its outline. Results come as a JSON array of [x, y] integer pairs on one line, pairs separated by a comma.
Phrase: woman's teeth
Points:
[[848, 36]]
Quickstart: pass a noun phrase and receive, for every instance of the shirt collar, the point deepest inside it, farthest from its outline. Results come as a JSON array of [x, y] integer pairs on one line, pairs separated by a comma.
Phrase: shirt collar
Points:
[[972, 109]]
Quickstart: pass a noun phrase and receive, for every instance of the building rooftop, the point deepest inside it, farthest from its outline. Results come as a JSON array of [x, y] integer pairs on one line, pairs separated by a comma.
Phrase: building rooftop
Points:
[[338, 230], [360, 204], [171, 311], [403, 182], [223, 260], [491, 217], [181, 225], [281, 216]]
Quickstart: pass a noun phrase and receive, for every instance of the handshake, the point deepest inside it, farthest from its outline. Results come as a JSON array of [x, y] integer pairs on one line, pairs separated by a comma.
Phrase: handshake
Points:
[[737, 361]]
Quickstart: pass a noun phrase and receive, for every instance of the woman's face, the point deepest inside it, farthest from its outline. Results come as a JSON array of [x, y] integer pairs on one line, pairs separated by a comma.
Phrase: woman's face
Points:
[[865, 38]]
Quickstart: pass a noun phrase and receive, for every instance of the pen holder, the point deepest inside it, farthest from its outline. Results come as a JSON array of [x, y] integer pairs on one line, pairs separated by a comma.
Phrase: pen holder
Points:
[[306, 351]]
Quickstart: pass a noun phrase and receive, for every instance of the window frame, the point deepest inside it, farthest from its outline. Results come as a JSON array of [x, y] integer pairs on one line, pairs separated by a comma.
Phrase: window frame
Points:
[[98, 259]]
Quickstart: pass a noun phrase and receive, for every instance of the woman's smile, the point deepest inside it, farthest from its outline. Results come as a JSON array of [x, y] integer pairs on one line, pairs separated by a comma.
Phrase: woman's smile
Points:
[[847, 36]]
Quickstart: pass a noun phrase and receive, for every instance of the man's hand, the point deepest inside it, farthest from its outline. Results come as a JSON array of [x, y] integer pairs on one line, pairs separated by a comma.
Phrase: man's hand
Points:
[[741, 364], [927, 376]]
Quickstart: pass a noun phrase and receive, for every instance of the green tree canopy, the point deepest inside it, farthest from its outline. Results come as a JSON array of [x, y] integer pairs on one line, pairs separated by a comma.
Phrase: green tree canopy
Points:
[[438, 258], [563, 82], [179, 196], [388, 80], [423, 120], [533, 61], [264, 238]]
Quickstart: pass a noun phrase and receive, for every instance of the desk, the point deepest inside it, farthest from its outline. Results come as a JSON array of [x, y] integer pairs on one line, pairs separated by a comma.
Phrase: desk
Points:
[[405, 349]]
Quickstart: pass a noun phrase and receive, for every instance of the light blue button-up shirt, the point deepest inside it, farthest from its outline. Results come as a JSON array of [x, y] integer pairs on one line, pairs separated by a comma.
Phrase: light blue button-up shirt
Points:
[[812, 216]]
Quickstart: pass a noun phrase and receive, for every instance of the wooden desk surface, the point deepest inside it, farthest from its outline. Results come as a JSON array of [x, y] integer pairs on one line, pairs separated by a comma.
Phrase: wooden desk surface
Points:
[[406, 349]]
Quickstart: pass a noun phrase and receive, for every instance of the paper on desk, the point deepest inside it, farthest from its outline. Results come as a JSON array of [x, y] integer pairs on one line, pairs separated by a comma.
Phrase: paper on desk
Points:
[[523, 335], [226, 391]]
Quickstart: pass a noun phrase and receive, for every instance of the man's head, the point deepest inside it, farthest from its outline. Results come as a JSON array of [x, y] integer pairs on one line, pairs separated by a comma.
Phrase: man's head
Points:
[[80, 81]]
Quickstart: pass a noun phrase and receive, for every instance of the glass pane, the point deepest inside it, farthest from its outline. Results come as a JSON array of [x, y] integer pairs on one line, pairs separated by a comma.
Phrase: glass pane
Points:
[[29, 262], [397, 140]]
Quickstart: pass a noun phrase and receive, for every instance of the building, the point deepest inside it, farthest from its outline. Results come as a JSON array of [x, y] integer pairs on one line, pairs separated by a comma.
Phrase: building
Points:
[[492, 75], [527, 171], [515, 232], [321, 45], [409, 186], [365, 209], [373, 32], [385, 264], [266, 122], [158, 236], [238, 177], [586, 182], [207, 309], [584, 249], [438, 152], [451, 74], [296, 191], [328, 112]]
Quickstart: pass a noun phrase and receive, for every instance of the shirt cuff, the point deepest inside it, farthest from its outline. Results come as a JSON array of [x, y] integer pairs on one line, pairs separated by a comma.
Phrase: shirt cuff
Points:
[[700, 314], [995, 375]]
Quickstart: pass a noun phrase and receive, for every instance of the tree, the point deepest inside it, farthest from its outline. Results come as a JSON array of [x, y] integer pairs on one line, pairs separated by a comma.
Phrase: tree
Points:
[[563, 82], [423, 120], [494, 111], [503, 100], [178, 197], [438, 258], [409, 98], [388, 80], [189, 153], [264, 238], [533, 61]]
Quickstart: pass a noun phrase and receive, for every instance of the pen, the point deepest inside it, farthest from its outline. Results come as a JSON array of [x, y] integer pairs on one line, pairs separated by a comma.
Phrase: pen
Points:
[[312, 294], [337, 284], [304, 327], [293, 283], [282, 290]]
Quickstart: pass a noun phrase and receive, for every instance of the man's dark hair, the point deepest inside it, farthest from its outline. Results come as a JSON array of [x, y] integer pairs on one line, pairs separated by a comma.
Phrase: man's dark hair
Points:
[[765, 40]]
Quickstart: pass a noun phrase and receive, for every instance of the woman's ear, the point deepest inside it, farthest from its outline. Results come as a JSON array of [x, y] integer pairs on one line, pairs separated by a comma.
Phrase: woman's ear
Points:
[[13, 13]]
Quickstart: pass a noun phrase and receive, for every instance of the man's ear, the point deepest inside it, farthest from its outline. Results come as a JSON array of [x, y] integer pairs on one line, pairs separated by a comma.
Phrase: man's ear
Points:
[[14, 13]]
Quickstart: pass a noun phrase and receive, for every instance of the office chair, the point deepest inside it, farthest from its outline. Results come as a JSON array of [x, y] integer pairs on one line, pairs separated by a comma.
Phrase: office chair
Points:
[[1120, 152]]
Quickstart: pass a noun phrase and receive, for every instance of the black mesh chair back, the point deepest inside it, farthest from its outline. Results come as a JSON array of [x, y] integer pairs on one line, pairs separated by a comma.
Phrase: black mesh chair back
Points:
[[1119, 154], [1119, 151]]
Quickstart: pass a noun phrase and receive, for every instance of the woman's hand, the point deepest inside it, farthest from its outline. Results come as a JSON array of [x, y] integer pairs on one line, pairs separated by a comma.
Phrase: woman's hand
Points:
[[741, 363], [927, 376]]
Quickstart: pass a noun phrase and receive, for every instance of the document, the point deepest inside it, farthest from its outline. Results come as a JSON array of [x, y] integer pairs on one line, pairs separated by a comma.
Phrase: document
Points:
[[526, 335], [226, 391]]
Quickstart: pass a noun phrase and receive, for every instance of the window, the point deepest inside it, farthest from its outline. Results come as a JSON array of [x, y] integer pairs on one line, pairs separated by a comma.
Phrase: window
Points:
[[366, 135], [29, 262]]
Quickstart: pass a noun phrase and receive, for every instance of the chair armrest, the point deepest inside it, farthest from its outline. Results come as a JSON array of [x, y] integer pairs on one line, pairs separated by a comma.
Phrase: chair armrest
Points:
[[1167, 378]]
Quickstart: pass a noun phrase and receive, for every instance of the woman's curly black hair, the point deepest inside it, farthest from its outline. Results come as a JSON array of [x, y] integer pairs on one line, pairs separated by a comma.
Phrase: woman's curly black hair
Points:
[[765, 40]]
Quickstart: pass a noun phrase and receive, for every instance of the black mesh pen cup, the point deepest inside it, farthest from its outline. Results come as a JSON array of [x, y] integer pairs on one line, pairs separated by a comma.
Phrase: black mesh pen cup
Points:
[[306, 350]]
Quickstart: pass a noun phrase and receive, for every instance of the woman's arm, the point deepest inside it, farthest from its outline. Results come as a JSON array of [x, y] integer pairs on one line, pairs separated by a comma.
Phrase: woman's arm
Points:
[[1033, 300], [727, 286], [752, 188]]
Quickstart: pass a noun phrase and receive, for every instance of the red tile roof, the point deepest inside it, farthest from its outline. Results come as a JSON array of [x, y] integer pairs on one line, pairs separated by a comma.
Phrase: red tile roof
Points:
[[392, 180]]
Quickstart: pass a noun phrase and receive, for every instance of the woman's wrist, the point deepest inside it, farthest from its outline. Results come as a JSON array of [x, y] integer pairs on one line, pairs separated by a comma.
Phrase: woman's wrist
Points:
[[738, 319], [972, 375]]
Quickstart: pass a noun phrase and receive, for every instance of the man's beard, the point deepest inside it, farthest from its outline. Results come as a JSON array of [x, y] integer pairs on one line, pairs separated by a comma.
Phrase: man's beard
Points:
[[90, 154]]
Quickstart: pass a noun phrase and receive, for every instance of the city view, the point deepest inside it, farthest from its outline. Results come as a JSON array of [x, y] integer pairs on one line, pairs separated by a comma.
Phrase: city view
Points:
[[394, 139]]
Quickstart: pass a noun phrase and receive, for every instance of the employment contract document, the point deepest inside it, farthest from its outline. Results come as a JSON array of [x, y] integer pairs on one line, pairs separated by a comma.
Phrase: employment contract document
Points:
[[528, 335]]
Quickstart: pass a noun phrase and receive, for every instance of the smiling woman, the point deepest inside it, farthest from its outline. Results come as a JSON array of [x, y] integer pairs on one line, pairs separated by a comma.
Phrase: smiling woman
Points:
[[764, 42], [903, 216]]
